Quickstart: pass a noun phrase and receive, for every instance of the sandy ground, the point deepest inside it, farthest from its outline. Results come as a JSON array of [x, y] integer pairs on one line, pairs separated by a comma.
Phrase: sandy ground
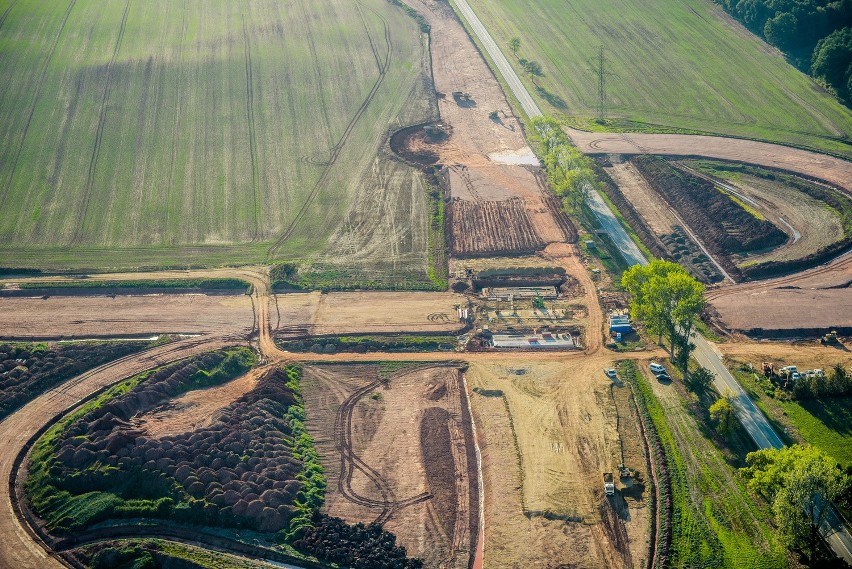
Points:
[[804, 355], [815, 299], [397, 452], [104, 316], [648, 203], [562, 417], [366, 312], [835, 171], [457, 66]]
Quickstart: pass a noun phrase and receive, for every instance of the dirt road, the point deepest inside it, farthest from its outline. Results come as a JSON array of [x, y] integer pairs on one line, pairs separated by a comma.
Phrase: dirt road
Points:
[[18, 549], [812, 300], [836, 171]]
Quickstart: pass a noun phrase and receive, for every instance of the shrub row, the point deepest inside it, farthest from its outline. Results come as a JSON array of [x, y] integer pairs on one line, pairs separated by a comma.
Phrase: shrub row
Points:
[[363, 344]]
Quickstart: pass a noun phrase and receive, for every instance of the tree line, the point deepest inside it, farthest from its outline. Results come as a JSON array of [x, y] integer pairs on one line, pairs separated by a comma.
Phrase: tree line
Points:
[[816, 35]]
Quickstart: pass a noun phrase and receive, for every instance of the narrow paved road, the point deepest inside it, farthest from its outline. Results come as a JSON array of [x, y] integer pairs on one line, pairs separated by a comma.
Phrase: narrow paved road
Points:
[[751, 417]]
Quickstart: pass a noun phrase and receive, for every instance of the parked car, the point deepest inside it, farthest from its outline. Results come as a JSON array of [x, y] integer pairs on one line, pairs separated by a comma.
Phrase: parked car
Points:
[[611, 373], [663, 377], [657, 368], [795, 376]]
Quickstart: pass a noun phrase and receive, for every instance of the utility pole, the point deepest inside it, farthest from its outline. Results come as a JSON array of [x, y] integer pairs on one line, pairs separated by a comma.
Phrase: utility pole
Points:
[[600, 69]]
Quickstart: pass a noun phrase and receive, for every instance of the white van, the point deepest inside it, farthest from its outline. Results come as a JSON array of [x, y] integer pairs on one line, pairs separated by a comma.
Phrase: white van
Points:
[[656, 368]]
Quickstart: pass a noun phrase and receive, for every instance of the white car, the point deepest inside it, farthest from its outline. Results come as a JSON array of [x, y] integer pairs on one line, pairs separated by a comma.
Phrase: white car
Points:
[[610, 373], [795, 376], [656, 368]]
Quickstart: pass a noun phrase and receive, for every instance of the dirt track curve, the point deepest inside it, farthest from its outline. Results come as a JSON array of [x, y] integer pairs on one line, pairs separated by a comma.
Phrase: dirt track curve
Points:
[[835, 171]]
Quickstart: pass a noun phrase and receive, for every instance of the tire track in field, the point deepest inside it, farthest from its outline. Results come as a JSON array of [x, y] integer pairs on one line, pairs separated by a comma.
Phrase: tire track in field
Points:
[[177, 123], [36, 96], [350, 461], [93, 163], [6, 13], [335, 151], [251, 127]]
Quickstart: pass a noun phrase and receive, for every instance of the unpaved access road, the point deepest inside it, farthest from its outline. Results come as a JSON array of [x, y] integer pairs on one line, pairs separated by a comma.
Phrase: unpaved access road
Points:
[[815, 299], [18, 549], [835, 171]]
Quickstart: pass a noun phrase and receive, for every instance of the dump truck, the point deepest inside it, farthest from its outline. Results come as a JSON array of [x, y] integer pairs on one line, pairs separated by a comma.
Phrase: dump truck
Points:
[[609, 484]]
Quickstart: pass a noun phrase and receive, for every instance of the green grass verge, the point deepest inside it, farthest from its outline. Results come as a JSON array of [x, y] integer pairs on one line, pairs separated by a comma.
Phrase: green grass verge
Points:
[[363, 344], [673, 67], [716, 521], [175, 284]]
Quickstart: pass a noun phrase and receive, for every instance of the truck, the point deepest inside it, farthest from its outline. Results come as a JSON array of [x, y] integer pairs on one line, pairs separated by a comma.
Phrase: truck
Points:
[[609, 484]]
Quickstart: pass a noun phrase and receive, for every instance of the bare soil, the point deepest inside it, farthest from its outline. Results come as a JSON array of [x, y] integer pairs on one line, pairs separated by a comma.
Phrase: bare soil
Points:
[[481, 124], [301, 314], [548, 431], [196, 409], [396, 446], [803, 304], [67, 317], [835, 171]]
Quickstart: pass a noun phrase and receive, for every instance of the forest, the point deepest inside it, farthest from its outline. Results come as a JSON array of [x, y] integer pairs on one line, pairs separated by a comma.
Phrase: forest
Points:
[[815, 35]]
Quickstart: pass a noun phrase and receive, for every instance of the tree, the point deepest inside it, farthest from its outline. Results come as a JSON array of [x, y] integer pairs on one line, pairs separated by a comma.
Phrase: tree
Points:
[[801, 483], [722, 413], [699, 380], [533, 69], [515, 45], [832, 61], [668, 300]]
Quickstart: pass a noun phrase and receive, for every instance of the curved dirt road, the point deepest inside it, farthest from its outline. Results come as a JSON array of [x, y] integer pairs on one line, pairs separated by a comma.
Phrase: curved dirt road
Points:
[[835, 171], [18, 549]]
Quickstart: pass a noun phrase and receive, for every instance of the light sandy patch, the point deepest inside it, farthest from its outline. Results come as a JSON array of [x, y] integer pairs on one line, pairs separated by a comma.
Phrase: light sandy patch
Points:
[[368, 312], [548, 435], [520, 157], [107, 316]]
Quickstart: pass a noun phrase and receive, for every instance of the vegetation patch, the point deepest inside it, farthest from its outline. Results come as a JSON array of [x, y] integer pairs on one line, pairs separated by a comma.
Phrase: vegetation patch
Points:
[[154, 284], [669, 67], [28, 370], [292, 276], [715, 521], [364, 344]]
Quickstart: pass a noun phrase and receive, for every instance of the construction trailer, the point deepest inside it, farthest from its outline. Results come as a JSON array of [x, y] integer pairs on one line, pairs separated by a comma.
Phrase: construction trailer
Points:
[[619, 324]]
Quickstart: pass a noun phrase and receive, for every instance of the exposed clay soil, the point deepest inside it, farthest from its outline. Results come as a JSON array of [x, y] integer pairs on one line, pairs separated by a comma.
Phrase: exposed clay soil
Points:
[[396, 446], [106, 316], [808, 303], [836, 171], [301, 314], [483, 125]]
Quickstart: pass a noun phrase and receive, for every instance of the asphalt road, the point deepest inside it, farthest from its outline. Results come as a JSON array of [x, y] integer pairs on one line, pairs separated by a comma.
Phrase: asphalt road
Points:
[[752, 418]]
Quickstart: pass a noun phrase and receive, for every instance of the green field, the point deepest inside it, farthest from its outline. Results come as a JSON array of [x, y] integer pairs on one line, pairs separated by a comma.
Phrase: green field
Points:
[[824, 423], [675, 66], [151, 133]]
